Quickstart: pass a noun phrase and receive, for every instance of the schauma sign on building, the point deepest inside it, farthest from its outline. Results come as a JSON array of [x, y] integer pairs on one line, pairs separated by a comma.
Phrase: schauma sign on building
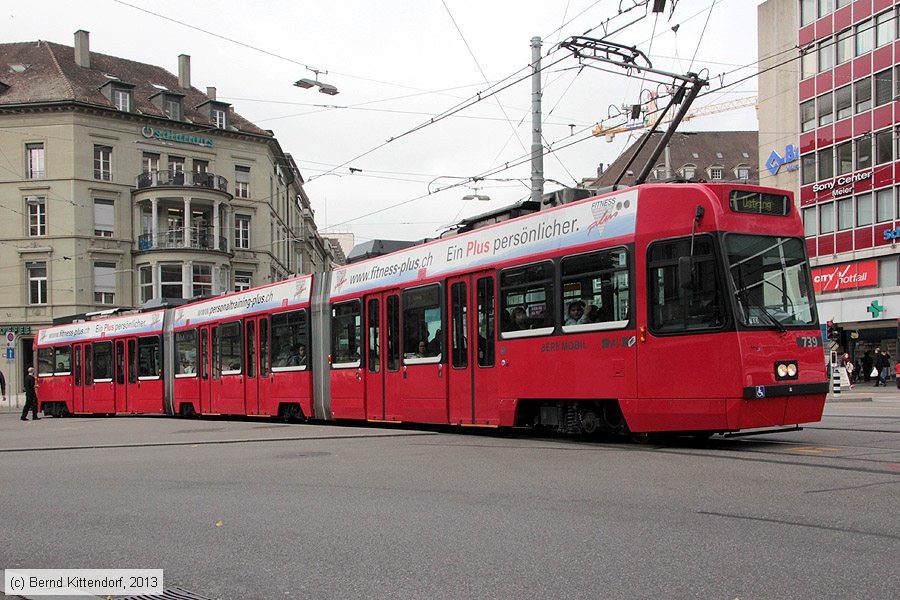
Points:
[[589, 221]]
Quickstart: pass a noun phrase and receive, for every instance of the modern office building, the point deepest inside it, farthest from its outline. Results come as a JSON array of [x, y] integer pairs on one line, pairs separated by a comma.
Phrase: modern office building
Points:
[[122, 185], [828, 120]]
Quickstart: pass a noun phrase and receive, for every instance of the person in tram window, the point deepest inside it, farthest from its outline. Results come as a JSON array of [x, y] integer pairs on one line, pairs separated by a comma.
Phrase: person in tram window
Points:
[[592, 314], [576, 314], [300, 357], [434, 346], [422, 351], [187, 366], [519, 319]]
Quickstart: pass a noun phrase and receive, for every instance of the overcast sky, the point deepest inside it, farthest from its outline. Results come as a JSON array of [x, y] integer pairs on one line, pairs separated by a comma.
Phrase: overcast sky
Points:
[[399, 63]]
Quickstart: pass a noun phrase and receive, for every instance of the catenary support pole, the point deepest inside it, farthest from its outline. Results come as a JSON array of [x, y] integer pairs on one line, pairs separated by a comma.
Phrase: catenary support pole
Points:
[[537, 147]]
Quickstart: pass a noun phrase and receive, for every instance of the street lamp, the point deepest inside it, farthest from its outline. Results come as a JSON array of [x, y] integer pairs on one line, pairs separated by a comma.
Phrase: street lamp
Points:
[[324, 88]]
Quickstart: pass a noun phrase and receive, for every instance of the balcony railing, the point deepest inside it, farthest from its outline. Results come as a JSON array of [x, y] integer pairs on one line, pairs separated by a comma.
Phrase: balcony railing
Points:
[[176, 178], [201, 238]]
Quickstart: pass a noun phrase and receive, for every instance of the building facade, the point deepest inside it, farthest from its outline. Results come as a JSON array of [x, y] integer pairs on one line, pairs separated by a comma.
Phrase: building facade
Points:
[[125, 186], [829, 116]]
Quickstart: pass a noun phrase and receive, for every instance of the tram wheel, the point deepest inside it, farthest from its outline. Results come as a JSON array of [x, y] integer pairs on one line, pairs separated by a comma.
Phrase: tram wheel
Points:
[[590, 422]]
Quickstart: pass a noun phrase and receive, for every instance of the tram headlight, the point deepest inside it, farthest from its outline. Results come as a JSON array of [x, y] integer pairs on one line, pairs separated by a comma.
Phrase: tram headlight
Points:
[[786, 369]]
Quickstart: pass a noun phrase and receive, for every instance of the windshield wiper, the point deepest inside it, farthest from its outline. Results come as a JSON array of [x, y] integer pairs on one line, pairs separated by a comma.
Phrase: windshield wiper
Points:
[[741, 295]]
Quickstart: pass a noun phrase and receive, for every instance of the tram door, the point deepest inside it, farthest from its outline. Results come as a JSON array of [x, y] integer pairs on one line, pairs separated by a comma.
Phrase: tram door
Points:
[[257, 395], [78, 376], [472, 377], [383, 357], [228, 369], [120, 389], [100, 393], [205, 369]]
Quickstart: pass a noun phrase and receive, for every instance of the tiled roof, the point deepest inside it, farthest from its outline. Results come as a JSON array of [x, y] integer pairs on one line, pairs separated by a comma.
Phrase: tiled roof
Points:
[[706, 145], [51, 75]]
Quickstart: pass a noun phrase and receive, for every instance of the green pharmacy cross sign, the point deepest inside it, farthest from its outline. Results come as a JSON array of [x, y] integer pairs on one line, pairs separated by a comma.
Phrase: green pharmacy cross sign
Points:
[[876, 309]]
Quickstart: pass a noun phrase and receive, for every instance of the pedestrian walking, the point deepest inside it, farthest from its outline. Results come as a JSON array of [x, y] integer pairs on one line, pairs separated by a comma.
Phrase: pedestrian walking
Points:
[[3, 386], [31, 399], [879, 371]]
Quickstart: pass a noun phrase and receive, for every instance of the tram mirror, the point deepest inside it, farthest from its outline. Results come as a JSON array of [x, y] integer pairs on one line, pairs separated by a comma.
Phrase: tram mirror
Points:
[[686, 271]]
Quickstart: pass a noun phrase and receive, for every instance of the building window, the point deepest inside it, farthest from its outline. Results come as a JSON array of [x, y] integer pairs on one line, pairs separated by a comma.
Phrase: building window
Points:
[[37, 216], [845, 158], [826, 109], [884, 85], [884, 146], [809, 221], [864, 37], [808, 115], [864, 209], [844, 49], [37, 282], [201, 166], [807, 63], [242, 182], [884, 205], [202, 280], [863, 91], [841, 3], [884, 28], [122, 99], [743, 173], [173, 108], [864, 152], [104, 218], [243, 280], [844, 214], [242, 231], [826, 163], [826, 217], [808, 169], [661, 172], [807, 12], [145, 274], [826, 55], [150, 161], [689, 171], [176, 164], [103, 163], [104, 283], [825, 7], [34, 161], [715, 173], [843, 102], [887, 272], [218, 118], [170, 281]]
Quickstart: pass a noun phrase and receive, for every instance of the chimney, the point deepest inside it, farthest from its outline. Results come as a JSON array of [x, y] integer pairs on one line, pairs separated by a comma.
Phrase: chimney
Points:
[[184, 71], [600, 170], [211, 93], [83, 49]]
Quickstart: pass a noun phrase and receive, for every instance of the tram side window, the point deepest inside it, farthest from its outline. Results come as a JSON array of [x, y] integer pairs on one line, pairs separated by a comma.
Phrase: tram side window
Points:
[[289, 341], [677, 306], [120, 362], [103, 361], [45, 362], [133, 362], [373, 315], [345, 335], [596, 289], [63, 360], [526, 298], [186, 353], [393, 332], [422, 336], [88, 368], [459, 327], [264, 347], [78, 367], [229, 346], [149, 358], [485, 298]]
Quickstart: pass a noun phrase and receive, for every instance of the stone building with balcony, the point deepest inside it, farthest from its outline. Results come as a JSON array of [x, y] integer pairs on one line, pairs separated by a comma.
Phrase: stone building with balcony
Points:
[[123, 185]]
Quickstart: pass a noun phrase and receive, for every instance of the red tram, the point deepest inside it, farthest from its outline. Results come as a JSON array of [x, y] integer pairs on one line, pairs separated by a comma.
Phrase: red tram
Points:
[[663, 307]]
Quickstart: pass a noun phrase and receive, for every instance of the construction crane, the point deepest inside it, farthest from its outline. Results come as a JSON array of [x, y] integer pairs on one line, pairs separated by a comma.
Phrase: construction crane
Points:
[[709, 109]]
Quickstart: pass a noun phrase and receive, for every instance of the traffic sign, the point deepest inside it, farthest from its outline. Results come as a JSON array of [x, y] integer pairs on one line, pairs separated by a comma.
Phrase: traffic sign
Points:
[[10, 354], [10, 338]]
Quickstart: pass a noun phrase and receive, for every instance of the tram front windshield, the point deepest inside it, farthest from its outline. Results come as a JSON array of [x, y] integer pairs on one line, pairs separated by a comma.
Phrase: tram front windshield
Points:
[[770, 279]]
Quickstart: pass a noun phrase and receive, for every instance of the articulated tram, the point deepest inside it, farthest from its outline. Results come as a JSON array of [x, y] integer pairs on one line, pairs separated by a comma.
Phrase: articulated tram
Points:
[[659, 308]]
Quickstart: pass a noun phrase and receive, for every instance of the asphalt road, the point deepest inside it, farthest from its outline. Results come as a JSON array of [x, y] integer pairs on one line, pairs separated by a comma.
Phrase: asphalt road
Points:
[[256, 509]]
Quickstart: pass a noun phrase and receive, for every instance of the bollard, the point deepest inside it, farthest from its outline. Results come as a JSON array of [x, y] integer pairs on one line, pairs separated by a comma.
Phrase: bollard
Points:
[[836, 380]]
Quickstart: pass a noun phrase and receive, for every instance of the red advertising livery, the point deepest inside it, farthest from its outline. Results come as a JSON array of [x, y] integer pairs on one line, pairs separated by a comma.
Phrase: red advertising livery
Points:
[[659, 308]]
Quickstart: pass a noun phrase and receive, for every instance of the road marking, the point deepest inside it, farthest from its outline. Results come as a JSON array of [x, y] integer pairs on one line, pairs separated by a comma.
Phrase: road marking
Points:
[[813, 450]]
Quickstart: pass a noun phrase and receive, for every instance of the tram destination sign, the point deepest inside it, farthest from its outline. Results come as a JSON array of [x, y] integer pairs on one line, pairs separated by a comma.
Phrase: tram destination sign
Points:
[[599, 219], [759, 203], [151, 322]]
